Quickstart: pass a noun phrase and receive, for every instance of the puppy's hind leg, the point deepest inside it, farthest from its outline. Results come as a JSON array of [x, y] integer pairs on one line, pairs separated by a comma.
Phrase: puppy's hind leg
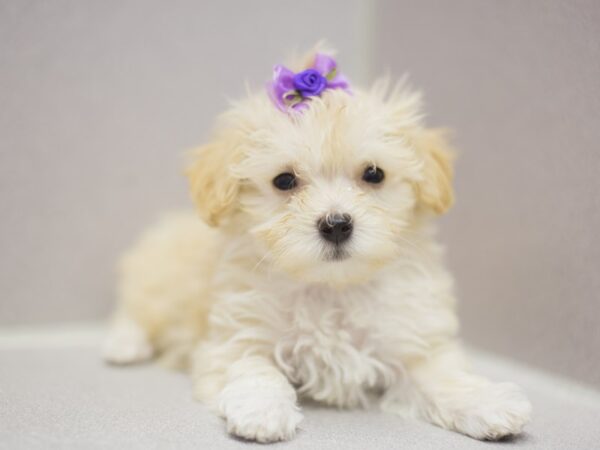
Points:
[[127, 342]]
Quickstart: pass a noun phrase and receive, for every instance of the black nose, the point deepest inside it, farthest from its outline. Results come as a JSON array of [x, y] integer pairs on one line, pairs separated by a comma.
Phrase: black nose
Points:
[[335, 228]]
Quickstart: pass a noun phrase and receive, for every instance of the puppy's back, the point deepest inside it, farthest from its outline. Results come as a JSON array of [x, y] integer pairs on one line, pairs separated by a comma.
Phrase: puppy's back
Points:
[[165, 282]]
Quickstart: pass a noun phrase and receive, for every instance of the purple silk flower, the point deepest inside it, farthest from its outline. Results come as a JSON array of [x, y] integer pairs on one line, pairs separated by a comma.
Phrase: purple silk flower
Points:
[[292, 91]]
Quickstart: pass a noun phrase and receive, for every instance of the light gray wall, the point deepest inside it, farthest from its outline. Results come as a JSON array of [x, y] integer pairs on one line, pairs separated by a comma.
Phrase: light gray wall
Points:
[[98, 100], [519, 81]]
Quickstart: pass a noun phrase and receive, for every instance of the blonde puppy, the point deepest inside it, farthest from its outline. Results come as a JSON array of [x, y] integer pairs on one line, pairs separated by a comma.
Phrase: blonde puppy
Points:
[[315, 273]]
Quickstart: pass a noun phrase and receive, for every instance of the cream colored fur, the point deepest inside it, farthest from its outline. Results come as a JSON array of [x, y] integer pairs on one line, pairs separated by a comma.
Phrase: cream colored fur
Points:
[[260, 313]]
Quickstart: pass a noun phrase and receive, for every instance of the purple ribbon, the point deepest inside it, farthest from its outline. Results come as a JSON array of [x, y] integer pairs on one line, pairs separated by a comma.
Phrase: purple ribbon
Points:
[[289, 90]]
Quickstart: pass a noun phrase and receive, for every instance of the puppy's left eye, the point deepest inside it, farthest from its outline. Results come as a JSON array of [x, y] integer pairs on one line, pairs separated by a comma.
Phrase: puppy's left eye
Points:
[[285, 181], [373, 175]]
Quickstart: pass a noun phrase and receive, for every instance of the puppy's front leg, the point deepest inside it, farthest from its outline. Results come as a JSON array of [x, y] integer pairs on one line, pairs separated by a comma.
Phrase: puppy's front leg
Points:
[[258, 402], [441, 390]]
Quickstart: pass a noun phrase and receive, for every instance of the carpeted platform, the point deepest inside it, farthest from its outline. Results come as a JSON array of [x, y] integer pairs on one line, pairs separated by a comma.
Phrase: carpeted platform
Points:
[[55, 392]]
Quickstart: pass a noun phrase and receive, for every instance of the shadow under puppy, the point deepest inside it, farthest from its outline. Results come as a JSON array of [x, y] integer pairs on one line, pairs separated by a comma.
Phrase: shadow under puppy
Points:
[[316, 273]]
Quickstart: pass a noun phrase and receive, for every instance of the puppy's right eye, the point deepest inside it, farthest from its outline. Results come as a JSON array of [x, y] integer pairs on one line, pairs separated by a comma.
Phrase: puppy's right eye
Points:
[[285, 181]]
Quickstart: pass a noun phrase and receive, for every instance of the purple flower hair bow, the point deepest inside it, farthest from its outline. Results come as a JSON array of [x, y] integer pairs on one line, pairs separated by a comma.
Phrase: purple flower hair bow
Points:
[[289, 90]]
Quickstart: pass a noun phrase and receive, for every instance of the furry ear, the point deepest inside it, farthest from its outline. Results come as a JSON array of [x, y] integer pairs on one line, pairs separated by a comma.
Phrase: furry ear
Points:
[[434, 190], [213, 186]]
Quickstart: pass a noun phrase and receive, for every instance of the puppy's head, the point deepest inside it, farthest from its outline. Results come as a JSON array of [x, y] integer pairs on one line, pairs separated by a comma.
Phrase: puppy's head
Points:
[[331, 194]]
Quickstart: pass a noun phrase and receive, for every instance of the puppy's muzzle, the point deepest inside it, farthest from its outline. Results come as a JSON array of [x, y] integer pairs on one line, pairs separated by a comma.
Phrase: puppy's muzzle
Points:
[[335, 228]]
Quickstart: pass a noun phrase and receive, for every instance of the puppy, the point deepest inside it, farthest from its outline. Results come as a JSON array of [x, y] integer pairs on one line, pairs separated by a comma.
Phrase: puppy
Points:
[[315, 272]]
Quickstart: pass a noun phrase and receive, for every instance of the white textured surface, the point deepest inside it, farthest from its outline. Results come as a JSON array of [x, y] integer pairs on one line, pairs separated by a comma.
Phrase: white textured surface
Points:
[[55, 392]]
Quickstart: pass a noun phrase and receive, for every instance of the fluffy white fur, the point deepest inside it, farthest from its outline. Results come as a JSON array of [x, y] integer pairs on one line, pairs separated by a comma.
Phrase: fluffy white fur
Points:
[[262, 313]]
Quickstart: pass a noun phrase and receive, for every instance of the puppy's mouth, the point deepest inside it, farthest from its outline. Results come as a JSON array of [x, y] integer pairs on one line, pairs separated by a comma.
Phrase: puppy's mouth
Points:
[[336, 253]]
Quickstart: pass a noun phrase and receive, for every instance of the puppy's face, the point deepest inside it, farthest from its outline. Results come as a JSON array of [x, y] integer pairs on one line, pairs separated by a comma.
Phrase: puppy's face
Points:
[[330, 195]]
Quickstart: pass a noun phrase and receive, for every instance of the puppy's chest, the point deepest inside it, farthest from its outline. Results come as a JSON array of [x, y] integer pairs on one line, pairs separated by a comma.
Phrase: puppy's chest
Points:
[[328, 350]]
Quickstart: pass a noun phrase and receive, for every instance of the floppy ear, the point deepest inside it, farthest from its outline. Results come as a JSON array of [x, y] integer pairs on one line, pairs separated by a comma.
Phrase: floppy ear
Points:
[[434, 190], [213, 186]]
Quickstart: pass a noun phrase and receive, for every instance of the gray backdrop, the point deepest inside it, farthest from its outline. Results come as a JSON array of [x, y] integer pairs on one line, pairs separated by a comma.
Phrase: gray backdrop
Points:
[[99, 100]]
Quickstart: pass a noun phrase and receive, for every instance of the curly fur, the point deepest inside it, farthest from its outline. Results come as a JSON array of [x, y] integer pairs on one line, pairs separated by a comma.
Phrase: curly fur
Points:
[[263, 315]]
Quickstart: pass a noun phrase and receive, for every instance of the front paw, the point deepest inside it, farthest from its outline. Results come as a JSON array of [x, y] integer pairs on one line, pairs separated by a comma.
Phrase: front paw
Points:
[[262, 418], [490, 412]]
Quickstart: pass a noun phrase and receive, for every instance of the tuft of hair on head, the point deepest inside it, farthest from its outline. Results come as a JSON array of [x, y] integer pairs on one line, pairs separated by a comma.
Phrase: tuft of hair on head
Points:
[[298, 61]]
